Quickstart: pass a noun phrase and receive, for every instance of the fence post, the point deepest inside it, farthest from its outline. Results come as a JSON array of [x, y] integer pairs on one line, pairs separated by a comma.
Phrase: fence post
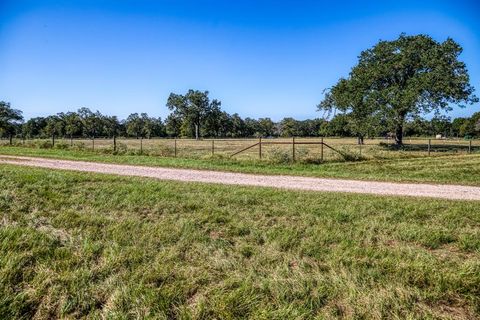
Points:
[[93, 143], [213, 147], [53, 140], [141, 145], [114, 143], [321, 150], [429, 146], [470, 146], [175, 148], [360, 146], [260, 148], [11, 139], [293, 149]]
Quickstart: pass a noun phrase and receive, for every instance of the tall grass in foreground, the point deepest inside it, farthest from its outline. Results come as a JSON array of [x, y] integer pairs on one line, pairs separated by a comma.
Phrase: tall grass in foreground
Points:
[[84, 245]]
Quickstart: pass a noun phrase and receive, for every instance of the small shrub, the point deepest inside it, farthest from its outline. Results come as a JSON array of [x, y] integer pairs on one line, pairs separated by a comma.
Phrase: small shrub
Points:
[[78, 146], [43, 144], [161, 151], [279, 156], [61, 146], [121, 149]]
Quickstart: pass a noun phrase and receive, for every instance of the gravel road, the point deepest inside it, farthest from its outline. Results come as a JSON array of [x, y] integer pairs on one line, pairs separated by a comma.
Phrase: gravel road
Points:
[[453, 192]]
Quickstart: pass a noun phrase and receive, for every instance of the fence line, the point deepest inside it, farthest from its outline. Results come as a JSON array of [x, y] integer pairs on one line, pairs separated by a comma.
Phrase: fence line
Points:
[[296, 148]]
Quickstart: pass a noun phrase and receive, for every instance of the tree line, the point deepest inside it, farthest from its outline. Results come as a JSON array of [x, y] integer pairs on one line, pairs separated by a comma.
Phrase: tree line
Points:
[[215, 123], [391, 89]]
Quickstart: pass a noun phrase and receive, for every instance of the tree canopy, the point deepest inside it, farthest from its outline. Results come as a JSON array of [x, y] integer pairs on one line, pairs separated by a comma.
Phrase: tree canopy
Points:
[[9, 118], [195, 108], [399, 80]]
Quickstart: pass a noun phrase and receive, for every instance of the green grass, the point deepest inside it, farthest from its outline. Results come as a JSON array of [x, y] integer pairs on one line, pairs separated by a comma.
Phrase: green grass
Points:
[[84, 245], [460, 169]]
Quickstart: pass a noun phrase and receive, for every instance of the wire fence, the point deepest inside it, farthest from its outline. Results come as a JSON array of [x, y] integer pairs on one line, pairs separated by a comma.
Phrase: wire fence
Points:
[[277, 149]]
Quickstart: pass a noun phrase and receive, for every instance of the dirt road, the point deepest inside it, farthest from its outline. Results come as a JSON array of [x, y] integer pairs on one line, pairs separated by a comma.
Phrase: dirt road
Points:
[[454, 192]]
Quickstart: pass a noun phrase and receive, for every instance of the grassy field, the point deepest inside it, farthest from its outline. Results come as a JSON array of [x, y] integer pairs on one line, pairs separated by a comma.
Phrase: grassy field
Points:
[[458, 169], [86, 245], [275, 149]]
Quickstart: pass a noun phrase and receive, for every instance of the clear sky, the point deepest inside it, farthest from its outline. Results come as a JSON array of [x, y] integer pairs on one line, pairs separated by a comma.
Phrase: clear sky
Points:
[[260, 58]]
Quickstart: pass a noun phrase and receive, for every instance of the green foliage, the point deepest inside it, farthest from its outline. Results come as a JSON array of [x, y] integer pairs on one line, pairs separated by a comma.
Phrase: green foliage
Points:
[[9, 118], [279, 156], [400, 79], [194, 109]]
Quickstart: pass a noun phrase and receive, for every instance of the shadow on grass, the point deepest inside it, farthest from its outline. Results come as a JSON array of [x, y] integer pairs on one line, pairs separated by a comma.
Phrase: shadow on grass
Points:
[[447, 148]]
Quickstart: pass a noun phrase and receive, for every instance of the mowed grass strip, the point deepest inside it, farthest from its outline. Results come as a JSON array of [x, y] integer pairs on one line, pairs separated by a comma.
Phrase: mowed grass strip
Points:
[[86, 245], [459, 169]]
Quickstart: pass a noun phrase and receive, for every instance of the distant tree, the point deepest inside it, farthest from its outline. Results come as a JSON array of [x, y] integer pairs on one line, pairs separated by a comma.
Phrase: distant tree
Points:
[[111, 126], [33, 127], [10, 119], [173, 125], [91, 122], [440, 125], [417, 126], [54, 126], [266, 127], [409, 76], [289, 127], [193, 108], [214, 121], [457, 124], [73, 124], [338, 126], [238, 126], [251, 127], [135, 125], [469, 126]]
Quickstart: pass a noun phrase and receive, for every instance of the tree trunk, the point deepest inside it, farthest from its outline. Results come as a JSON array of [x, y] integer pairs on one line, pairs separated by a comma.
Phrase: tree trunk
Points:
[[360, 139], [399, 135]]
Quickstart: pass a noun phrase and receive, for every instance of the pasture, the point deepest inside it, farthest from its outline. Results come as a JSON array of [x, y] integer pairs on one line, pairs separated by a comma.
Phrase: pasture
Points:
[[281, 150], [78, 245]]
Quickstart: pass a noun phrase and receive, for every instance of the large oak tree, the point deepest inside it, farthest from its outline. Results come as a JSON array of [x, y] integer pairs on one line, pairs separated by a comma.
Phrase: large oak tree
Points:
[[401, 79], [193, 108]]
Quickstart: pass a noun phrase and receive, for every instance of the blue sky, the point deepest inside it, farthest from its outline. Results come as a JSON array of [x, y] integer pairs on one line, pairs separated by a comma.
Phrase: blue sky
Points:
[[260, 58]]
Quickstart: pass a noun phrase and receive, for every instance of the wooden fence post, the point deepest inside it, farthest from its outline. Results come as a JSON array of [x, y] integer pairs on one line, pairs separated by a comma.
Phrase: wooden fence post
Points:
[[93, 143], [293, 149], [53, 140], [213, 147], [260, 148], [11, 139], [141, 145], [470, 146], [114, 143], [429, 146], [321, 150]]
